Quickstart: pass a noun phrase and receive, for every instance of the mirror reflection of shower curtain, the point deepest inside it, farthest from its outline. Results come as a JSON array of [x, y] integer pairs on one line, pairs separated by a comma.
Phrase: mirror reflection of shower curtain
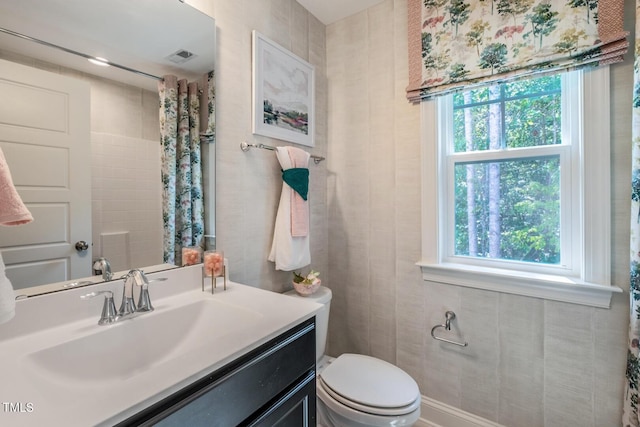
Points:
[[181, 171]]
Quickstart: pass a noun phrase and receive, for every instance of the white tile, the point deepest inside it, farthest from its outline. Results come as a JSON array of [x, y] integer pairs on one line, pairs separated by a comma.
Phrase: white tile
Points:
[[568, 364], [521, 368]]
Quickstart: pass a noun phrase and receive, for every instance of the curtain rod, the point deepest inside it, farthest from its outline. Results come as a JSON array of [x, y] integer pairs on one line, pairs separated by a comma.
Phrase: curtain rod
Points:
[[245, 146], [73, 52]]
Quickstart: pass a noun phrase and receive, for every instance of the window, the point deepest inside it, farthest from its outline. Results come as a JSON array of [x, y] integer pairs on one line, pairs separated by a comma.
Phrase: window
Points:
[[516, 188]]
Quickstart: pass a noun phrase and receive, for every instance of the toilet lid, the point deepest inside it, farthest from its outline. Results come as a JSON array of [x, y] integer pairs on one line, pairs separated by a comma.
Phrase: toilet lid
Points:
[[371, 382]]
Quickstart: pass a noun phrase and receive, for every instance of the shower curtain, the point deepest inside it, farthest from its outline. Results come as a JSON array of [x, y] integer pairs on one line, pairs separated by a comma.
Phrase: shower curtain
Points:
[[630, 416], [181, 171]]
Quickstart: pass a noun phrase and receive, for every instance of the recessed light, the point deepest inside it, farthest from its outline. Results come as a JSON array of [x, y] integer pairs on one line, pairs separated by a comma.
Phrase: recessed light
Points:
[[99, 61]]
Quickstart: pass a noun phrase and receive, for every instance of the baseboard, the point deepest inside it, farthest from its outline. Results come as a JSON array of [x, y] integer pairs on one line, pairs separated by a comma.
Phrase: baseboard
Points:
[[438, 414]]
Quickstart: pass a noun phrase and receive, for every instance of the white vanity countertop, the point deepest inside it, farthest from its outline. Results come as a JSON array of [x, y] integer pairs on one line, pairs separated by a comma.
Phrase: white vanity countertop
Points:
[[31, 396]]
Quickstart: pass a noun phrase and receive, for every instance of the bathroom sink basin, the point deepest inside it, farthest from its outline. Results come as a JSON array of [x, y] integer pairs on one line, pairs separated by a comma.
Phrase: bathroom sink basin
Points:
[[133, 346], [57, 358]]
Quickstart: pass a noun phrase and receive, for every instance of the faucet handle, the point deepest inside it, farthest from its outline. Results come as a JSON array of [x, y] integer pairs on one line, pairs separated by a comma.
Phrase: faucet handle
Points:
[[144, 301], [108, 308]]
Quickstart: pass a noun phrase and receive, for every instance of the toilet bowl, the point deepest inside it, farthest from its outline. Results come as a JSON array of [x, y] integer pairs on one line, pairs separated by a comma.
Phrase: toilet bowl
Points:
[[354, 390]]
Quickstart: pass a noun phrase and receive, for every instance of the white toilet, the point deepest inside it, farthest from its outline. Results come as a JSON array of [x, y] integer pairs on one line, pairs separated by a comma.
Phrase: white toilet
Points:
[[354, 390]]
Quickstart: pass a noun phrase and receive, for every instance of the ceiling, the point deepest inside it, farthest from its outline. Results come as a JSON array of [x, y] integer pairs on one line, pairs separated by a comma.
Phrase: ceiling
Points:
[[118, 30], [330, 11]]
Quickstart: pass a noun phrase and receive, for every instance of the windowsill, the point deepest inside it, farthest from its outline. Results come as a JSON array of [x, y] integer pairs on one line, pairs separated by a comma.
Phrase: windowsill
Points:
[[557, 288]]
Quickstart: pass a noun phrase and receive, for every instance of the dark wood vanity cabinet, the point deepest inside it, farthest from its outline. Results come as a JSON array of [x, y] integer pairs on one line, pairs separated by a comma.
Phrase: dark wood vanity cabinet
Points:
[[273, 385]]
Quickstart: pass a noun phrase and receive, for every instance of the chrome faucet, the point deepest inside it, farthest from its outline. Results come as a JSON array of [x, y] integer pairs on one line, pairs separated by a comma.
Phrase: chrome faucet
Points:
[[128, 307], [102, 265]]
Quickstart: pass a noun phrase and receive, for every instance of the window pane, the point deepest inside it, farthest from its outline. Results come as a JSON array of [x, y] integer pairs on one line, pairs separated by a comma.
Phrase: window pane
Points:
[[509, 210], [471, 129], [525, 113], [533, 121], [471, 96], [532, 86]]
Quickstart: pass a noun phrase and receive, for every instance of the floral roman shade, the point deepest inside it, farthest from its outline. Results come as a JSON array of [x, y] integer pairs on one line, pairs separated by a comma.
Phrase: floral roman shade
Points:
[[458, 43]]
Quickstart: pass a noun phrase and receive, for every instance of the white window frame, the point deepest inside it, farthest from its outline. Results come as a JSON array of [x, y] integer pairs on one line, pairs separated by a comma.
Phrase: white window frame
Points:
[[584, 278]]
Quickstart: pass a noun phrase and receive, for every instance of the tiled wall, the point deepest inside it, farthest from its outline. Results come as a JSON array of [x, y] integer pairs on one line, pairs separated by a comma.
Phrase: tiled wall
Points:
[[529, 362], [126, 187], [126, 197], [125, 162], [249, 184]]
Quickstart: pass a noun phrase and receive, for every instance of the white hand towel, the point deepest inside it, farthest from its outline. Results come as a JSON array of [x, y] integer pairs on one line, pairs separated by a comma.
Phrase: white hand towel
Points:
[[7, 296], [288, 252]]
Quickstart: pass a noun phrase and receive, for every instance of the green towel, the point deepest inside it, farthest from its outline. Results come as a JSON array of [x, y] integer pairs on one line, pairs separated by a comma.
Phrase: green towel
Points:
[[298, 179]]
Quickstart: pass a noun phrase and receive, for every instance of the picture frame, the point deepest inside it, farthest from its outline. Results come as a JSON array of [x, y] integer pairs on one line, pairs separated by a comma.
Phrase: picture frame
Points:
[[283, 88]]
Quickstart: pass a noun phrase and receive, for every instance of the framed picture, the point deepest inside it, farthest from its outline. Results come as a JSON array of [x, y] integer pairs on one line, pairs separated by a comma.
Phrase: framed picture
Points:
[[283, 93]]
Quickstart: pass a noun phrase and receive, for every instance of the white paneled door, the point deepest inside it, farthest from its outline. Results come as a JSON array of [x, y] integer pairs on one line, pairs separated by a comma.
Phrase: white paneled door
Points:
[[44, 134]]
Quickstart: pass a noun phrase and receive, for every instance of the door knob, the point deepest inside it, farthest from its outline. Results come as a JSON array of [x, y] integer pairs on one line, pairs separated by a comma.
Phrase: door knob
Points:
[[82, 246]]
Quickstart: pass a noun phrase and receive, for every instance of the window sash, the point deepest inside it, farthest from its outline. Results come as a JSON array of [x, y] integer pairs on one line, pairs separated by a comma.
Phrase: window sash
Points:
[[503, 102], [564, 266]]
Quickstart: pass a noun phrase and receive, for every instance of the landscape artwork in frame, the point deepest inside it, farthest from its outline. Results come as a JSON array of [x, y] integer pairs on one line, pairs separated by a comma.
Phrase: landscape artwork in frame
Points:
[[283, 93]]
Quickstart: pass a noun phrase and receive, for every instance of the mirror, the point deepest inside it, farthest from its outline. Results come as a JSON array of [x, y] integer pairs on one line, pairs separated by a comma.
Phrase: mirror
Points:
[[143, 40]]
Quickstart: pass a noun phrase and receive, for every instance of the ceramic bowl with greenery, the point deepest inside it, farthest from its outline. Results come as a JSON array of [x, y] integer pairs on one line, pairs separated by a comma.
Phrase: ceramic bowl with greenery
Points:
[[306, 285]]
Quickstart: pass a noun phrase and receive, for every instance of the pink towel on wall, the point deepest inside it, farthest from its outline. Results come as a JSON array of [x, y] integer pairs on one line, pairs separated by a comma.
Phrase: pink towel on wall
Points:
[[12, 209], [299, 206]]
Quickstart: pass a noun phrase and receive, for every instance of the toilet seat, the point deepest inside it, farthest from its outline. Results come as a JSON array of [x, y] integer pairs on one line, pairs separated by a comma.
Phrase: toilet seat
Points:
[[370, 385], [386, 412]]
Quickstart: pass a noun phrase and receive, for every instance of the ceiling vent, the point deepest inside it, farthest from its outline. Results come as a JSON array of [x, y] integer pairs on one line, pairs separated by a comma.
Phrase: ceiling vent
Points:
[[181, 56]]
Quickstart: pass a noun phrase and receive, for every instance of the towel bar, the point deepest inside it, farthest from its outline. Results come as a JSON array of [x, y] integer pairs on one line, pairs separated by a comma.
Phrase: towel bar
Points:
[[245, 146], [449, 316]]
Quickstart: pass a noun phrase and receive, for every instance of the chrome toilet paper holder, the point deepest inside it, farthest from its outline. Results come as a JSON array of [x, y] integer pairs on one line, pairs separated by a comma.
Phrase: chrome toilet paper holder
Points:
[[449, 316]]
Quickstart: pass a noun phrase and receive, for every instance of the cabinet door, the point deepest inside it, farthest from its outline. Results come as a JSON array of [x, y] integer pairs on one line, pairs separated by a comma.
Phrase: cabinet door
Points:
[[243, 389], [297, 408]]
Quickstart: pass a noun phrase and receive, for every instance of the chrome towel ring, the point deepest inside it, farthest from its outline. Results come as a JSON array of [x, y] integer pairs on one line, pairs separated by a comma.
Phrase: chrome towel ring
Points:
[[449, 316]]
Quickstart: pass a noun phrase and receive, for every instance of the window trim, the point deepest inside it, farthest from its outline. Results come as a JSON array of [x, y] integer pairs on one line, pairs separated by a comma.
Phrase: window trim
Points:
[[592, 286]]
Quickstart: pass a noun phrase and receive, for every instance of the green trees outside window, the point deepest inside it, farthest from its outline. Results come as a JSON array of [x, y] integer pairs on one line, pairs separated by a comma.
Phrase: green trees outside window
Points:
[[508, 206]]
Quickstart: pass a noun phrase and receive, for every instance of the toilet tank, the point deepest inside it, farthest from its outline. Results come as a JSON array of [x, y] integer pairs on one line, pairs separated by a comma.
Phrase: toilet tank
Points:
[[321, 296]]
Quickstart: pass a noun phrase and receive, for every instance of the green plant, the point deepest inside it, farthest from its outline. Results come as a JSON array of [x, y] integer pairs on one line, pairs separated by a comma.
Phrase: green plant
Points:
[[309, 279]]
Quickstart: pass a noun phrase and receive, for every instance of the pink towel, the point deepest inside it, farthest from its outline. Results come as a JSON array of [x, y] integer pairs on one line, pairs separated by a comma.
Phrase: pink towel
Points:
[[12, 210], [299, 206]]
